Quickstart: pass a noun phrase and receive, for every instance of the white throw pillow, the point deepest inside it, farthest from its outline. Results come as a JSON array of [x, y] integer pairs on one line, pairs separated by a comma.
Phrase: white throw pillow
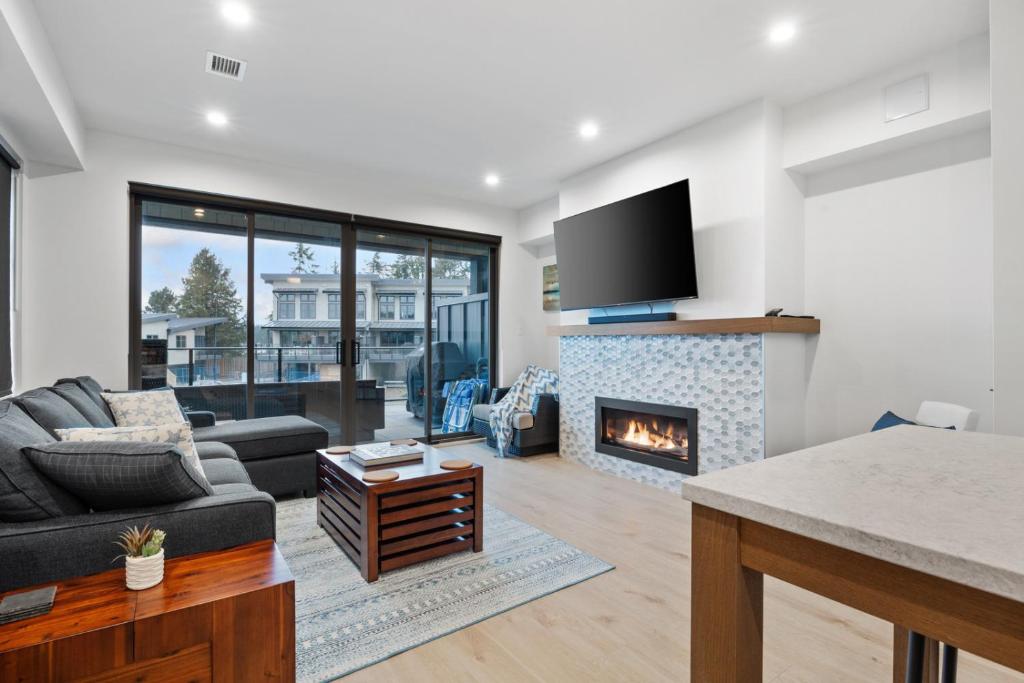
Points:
[[142, 408], [178, 433]]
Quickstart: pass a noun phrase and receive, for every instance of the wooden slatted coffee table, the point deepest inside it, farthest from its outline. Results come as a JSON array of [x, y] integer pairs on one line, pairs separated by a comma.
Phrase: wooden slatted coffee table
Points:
[[426, 513]]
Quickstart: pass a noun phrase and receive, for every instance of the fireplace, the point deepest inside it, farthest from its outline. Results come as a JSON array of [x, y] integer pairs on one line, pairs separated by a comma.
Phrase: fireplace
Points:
[[649, 433]]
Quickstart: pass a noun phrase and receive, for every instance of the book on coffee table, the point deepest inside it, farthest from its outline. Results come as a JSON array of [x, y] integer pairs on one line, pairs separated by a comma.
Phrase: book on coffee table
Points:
[[371, 455]]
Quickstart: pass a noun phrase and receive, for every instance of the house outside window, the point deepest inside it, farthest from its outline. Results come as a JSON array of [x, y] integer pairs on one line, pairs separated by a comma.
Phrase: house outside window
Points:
[[334, 305], [386, 307], [307, 305], [180, 341], [398, 338], [440, 299], [286, 306], [360, 305], [407, 306]]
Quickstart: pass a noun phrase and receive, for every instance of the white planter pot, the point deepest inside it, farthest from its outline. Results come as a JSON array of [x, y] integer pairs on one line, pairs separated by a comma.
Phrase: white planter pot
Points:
[[144, 572]]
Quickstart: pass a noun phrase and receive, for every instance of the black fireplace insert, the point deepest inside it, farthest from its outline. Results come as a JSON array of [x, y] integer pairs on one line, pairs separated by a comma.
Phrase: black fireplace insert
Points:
[[650, 433]]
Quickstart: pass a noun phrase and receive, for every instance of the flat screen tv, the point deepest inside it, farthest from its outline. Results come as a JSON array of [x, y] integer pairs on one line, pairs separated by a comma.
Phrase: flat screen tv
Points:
[[638, 250]]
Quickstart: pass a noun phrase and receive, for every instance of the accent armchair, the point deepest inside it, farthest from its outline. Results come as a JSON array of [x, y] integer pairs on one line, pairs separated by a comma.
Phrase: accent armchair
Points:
[[534, 432]]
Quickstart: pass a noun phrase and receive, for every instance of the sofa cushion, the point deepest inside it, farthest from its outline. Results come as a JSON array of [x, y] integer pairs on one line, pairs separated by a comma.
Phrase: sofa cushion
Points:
[[267, 437], [178, 434], [522, 421], [92, 389], [225, 471], [208, 450], [26, 496], [482, 411], [83, 403], [227, 489], [50, 410], [140, 408], [111, 475]]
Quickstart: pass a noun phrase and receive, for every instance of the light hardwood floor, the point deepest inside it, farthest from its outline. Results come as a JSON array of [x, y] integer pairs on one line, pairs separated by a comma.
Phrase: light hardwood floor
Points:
[[632, 624]]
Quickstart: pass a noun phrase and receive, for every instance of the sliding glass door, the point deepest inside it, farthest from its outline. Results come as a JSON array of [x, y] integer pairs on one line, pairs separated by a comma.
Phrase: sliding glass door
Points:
[[374, 329], [298, 320]]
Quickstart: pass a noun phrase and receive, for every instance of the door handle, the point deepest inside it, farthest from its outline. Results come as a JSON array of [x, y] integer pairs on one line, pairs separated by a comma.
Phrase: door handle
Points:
[[339, 354], [355, 353]]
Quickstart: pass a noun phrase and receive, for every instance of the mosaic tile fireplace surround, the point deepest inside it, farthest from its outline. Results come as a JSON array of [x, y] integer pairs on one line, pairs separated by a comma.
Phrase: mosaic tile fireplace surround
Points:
[[719, 375]]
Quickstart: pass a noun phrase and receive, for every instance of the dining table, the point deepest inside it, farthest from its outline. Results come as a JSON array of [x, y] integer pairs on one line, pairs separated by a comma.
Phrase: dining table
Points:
[[918, 526]]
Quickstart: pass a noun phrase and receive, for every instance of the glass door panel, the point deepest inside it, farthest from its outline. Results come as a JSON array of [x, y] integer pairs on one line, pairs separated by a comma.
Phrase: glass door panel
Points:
[[461, 348], [194, 293], [299, 345], [390, 318]]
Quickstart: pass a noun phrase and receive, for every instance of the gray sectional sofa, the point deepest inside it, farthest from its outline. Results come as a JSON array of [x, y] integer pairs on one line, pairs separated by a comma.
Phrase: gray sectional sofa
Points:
[[245, 462]]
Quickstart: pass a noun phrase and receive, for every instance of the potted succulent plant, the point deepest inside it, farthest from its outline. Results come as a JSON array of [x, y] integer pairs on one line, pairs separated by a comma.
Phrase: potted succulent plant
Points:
[[143, 556]]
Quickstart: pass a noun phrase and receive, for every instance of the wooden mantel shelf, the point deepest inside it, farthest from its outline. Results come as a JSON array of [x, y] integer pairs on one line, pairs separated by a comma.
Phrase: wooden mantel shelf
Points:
[[762, 325]]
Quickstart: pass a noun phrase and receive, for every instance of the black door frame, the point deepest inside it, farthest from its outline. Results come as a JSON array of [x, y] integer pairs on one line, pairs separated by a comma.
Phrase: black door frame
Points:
[[350, 224]]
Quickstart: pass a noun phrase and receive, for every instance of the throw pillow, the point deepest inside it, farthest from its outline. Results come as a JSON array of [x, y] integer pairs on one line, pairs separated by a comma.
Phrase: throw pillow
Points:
[[891, 419], [176, 434], [26, 495], [141, 408], [116, 475]]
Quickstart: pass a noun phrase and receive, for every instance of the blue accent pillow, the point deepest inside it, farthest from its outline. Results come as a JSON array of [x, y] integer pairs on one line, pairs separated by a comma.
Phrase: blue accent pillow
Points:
[[890, 419]]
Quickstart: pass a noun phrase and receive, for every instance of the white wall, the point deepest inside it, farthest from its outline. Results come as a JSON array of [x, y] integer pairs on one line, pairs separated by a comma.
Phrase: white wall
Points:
[[73, 273], [1007, 17], [851, 118], [899, 271], [536, 239], [724, 160]]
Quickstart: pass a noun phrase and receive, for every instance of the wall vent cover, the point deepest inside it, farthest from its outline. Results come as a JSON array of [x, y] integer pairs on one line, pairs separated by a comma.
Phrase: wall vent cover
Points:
[[225, 66]]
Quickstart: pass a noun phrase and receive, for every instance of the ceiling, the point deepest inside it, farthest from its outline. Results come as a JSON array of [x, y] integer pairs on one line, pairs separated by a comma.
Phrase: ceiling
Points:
[[436, 94]]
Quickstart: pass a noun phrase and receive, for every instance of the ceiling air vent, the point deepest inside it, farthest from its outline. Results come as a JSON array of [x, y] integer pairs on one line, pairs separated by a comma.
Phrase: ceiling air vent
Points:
[[225, 66]]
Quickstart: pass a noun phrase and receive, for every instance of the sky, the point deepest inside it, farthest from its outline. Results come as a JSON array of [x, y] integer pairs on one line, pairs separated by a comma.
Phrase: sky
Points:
[[167, 253]]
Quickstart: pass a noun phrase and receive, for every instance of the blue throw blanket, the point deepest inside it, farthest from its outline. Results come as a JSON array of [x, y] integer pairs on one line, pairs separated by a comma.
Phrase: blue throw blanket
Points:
[[458, 411], [519, 399]]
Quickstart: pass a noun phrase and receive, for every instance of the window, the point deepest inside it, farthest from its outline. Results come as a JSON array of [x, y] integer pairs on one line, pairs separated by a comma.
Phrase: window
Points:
[[180, 341], [307, 305], [285, 306], [334, 305], [360, 305], [407, 306], [386, 307], [152, 336], [200, 341], [401, 338]]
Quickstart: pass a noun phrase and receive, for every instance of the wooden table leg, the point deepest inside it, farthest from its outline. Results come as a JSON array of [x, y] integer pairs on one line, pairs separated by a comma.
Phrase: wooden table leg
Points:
[[900, 636], [726, 603], [478, 510]]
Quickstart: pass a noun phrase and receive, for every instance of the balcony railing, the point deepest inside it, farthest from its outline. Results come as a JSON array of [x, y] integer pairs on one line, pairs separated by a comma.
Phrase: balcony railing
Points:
[[227, 364]]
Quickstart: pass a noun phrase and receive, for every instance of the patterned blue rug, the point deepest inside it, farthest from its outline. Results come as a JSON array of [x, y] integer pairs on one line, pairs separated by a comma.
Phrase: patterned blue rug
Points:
[[344, 624]]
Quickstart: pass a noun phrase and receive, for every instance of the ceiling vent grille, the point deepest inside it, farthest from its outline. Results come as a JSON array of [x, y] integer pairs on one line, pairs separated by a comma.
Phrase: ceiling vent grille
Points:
[[225, 66]]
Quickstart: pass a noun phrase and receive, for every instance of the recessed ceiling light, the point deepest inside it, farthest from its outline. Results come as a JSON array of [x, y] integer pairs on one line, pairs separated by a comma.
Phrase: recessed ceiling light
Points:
[[217, 118], [783, 32], [492, 179], [588, 130], [236, 13]]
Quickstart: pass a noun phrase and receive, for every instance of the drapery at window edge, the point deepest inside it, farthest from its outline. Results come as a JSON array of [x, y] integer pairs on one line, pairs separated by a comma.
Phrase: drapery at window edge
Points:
[[9, 165]]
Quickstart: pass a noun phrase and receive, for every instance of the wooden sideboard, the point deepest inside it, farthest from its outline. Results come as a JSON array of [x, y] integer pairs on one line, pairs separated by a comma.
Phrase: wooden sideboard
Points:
[[220, 616]]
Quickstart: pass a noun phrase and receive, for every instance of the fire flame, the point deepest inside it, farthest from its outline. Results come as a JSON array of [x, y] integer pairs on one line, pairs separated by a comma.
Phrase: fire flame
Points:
[[639, 434]]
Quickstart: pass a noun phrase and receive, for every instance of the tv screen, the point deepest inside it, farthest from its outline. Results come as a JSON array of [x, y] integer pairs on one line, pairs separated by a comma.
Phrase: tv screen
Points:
[[636, 250]]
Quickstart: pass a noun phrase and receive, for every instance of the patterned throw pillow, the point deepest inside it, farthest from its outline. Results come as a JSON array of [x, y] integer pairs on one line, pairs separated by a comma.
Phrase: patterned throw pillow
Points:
[[178, 434], [143, 408]]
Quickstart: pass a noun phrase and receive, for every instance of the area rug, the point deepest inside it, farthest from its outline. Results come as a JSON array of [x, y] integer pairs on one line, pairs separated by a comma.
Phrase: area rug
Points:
[[344, 624]]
